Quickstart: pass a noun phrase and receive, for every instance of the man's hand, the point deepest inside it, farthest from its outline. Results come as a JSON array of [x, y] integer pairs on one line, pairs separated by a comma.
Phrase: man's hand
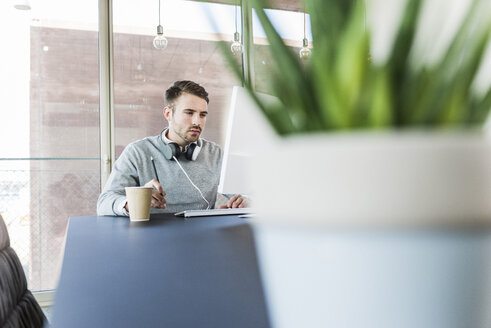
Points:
[[235, 202], [158, 194]]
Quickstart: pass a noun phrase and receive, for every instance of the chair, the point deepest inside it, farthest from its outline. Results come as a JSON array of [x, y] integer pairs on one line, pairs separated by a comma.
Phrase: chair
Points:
[[18, 307]]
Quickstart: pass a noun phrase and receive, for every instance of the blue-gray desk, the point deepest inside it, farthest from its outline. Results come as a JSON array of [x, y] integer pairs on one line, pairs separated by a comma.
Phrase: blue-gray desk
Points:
[[167, 272]]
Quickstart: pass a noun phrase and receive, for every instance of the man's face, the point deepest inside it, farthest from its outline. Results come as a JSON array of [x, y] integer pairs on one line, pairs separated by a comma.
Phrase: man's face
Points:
[[187, 119]]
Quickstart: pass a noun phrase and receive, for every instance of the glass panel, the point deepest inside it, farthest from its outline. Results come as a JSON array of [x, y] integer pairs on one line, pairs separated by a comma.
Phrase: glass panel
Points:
[[290, 26], [49, 159], [36, 199], [143, 73]]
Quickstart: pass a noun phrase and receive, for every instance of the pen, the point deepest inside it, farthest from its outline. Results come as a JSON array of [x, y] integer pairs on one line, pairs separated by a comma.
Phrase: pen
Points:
[[154, 169]]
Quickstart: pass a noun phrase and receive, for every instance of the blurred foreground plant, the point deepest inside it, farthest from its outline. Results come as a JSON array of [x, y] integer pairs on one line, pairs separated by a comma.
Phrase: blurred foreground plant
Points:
[[340, 88]]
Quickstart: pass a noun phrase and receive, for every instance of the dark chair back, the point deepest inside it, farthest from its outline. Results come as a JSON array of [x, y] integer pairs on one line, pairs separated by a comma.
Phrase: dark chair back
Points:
[[18, 307]]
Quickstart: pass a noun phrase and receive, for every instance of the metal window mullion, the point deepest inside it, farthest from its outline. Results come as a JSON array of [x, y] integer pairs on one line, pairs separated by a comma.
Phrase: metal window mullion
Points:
[[106, 95]]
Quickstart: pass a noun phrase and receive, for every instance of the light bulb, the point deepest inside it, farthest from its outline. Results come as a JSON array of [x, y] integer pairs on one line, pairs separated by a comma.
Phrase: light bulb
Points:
[[305, 52], [160, 41], [236, 46]]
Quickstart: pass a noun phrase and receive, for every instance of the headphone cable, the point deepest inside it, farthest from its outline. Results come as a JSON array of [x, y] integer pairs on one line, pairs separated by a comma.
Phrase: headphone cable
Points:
[[187, 176]]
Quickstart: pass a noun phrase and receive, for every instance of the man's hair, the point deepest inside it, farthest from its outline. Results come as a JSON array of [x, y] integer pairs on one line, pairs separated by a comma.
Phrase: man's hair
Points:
[[180, 87]]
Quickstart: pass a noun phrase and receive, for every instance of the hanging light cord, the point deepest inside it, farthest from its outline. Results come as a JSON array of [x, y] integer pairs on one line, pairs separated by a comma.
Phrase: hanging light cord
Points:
[[304, 19], [159, 12], [236, 5]]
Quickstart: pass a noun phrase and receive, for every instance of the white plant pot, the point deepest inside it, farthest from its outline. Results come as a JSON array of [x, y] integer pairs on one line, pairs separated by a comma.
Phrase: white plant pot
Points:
[[375, 230]]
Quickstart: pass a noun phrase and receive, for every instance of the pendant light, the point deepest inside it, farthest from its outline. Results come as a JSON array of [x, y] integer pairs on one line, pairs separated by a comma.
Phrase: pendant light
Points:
[[305, 52], [160, 41], [236, 46]]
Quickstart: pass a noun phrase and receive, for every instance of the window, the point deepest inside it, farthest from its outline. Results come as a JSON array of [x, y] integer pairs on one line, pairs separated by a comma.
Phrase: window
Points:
[[143, 73], [49, 159]]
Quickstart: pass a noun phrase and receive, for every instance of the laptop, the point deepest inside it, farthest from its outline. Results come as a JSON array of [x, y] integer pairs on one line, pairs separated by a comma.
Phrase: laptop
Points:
[[215, 212]]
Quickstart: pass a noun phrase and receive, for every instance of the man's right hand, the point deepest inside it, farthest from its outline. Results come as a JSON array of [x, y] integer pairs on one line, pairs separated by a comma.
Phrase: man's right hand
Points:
[[158, 194]]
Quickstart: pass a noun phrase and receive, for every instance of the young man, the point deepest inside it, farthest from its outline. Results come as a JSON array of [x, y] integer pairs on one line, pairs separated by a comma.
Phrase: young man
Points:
[[188, 167]]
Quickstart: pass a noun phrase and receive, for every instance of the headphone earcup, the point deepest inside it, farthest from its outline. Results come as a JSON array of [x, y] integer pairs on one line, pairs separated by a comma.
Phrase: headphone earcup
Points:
[[193, 151], [176, 150], [196, 151], [190, 151], [172, 149]]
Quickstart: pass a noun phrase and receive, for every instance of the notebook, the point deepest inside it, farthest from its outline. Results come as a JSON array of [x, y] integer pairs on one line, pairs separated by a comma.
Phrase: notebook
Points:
[[214, 212]]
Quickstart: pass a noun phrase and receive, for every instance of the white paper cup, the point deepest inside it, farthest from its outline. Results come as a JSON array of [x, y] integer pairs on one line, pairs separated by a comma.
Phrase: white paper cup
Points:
[[139, 199]]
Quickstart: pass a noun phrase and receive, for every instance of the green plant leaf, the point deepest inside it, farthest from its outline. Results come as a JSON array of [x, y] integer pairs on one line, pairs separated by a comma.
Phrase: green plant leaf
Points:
[[380, 110], [339, 88], [398, 63]]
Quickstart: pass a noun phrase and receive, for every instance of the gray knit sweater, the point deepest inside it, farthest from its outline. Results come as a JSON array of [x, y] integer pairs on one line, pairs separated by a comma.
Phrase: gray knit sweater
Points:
[[134, 168]]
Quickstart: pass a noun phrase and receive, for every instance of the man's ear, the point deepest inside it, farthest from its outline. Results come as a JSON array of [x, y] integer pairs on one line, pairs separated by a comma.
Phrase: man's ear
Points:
[[167, 113]]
